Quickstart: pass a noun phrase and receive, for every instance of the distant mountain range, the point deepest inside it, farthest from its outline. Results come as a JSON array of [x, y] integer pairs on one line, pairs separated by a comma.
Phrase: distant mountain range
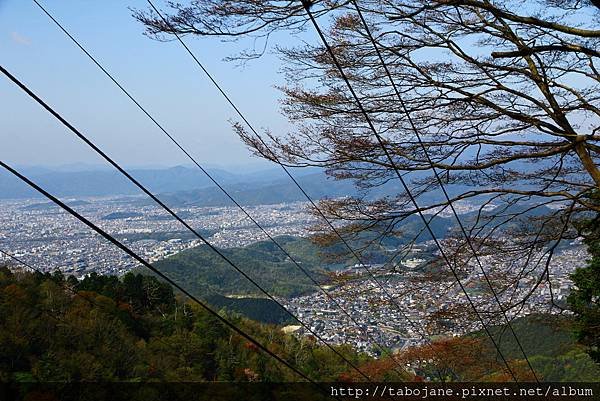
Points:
[[186, 186], [179, 186], [101, 182], [275, 190]]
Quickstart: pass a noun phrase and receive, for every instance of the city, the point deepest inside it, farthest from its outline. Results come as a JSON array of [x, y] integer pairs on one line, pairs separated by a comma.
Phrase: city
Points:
[[44, 236], [399, 323], [48, 238]]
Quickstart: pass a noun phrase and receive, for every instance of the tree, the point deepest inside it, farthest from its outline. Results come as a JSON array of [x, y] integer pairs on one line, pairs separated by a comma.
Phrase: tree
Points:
[[504, 97], [584, 299], [461, 359]]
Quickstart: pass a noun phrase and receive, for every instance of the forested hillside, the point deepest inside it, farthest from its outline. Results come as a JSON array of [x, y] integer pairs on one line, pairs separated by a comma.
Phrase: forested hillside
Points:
[[102, 328], [202, 271], [552, 347], [105, 329]]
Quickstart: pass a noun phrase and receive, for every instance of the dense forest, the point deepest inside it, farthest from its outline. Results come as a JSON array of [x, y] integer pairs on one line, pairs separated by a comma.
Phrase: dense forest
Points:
[[103, 328]]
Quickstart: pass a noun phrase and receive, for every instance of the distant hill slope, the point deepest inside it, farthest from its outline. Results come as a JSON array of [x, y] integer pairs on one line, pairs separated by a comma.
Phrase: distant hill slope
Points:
[[550, 346], [277, 191], [208, 276], [259, 309], [554, 330], [203, 272], [281, 190]]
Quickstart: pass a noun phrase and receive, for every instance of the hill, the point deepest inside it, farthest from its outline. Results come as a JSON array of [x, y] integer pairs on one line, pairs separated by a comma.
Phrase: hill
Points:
[[135, 330], [208, 276], [44, 206], [202, 271], [280, 190], [261, 310], [121, 215], [105, 329], [550, 345]]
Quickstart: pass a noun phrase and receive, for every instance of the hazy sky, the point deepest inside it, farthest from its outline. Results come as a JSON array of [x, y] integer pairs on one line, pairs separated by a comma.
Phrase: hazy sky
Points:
[[161, 75]]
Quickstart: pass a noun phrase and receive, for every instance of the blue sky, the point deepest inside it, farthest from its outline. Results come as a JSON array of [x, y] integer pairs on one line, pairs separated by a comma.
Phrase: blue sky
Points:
[[161, 75]]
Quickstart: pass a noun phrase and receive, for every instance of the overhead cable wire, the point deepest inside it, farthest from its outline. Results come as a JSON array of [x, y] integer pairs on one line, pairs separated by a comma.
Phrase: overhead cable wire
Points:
[[203, 170], [307, 5], [288, 173], [172, 213], [439, 180]]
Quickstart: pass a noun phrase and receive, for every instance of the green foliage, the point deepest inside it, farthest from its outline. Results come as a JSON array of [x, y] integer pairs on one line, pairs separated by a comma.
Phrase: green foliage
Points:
[[574, 366], [555, 330], [142, 293], [201, 271], [550, 346], [134, 329], [584, 299], [260, 309]]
